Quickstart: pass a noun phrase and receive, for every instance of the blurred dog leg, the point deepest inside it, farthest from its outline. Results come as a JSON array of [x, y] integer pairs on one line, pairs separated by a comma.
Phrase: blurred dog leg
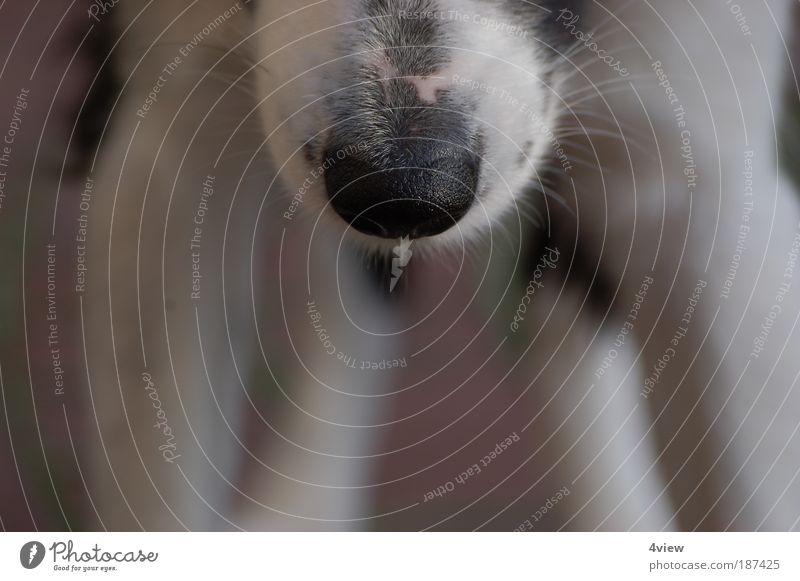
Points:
[[676, 204], [320, 473], [598, 427], [166, 413]]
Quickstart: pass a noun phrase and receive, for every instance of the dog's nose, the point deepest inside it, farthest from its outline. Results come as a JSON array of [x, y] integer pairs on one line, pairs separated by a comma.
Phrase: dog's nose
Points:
[[422, 191]]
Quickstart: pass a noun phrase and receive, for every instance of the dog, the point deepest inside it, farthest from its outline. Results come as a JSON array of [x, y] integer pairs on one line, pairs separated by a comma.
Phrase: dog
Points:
[[279, 185]]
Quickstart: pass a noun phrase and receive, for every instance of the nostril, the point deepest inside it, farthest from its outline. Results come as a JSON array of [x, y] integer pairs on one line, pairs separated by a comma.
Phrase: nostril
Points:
[[424, 196]]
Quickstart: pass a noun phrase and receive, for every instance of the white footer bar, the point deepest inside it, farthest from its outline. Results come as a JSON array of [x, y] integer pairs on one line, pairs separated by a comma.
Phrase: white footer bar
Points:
[[401, 556]]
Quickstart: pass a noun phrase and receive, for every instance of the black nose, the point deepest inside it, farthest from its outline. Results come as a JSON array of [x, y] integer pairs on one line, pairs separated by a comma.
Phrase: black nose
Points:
[[424, 190]]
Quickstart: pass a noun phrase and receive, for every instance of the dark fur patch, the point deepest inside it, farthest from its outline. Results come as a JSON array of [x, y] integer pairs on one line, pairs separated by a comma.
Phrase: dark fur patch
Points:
[[91, 120]]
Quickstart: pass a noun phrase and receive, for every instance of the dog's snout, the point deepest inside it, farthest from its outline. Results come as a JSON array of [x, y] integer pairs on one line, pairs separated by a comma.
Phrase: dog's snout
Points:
[[422, 191]]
